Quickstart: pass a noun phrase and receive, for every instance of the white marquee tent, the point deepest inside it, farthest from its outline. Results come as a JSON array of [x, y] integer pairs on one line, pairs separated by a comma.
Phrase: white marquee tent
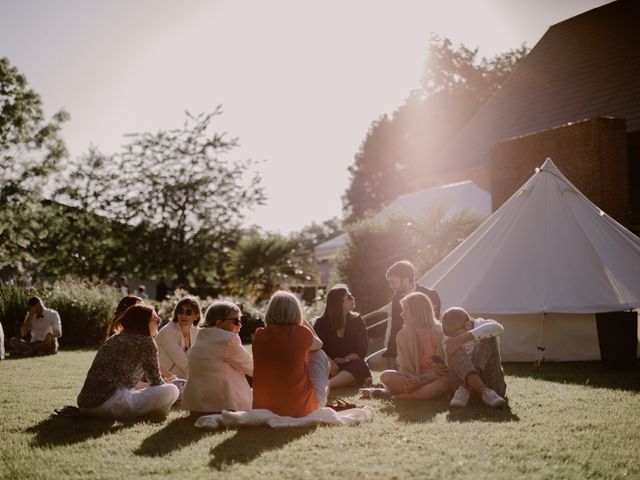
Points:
[[543, 265]]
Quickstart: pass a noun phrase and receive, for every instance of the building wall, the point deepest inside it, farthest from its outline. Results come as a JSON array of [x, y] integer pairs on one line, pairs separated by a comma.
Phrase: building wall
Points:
[[592, 154]]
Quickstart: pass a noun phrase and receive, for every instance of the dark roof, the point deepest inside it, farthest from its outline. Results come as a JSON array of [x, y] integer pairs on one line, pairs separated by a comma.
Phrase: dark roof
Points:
[[584, 67]]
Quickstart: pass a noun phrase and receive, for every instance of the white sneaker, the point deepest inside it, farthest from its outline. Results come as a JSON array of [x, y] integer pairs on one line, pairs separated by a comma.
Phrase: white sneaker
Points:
[[492, 399], [460, 398]]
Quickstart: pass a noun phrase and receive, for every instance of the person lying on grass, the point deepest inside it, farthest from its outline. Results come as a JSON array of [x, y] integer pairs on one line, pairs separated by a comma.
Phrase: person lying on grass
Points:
[[218, 364], [473, 355], [291, 372], [344, 339], [421, 371], [109, 391]]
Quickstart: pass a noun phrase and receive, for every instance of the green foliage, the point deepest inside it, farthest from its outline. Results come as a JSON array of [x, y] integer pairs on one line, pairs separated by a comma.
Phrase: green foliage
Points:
[[13, 308], [30, 149], [174, 203], [374, 246], [397, 149], [85, 310], [262, 263]]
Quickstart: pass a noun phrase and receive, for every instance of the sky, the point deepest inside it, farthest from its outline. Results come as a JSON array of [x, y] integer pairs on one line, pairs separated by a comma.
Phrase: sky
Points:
[[300, 81]]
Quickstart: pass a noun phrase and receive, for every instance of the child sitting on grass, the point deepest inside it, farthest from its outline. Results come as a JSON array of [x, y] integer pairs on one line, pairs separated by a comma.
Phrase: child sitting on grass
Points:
[[473, 355]]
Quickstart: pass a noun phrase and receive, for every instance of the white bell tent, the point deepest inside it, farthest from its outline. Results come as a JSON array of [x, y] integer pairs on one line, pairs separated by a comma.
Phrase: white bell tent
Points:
[[543, 265]]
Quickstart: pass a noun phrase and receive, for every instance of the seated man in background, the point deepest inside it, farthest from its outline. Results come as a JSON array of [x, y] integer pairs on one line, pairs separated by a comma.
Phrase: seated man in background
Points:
[[473, 355], [401, 278], [44, 326]]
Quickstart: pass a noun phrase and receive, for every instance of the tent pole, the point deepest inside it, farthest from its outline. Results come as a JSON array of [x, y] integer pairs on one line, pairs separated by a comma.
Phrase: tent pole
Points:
[[539, 347]]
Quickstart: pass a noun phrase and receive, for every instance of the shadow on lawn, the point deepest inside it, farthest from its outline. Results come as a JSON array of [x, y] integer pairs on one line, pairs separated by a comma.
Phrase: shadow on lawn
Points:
[[414, 411], [59, 431], [175, 435], [249, 443], [478, 412], [590, 374]]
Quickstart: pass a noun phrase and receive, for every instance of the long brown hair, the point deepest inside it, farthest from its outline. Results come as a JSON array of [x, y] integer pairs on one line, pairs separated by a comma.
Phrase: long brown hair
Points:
[[193, 303], [333, 311], [122, 307], [136, 319]]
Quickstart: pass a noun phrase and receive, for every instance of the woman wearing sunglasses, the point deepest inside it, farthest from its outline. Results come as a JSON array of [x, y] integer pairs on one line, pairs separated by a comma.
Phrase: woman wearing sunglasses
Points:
[[344, 339], [177, 337], [218, 364]]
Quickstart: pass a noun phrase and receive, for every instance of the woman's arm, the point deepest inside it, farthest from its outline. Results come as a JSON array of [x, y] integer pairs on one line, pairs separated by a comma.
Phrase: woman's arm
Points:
[[316, 343], [172, 353], [238, 357], [151, 362]]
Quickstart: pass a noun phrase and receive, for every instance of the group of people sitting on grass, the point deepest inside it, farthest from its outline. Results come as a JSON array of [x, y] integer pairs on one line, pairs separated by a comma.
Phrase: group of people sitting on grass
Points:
[[200, 361]]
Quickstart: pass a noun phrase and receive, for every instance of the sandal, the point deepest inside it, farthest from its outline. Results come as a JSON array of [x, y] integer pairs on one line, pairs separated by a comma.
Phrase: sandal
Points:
[[339, 405], [375, 392], [66, 411]]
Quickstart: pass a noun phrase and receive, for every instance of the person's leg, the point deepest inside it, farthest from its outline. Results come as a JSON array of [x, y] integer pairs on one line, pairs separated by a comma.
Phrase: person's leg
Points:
[[46, 347], [319, 375], [19, 345], [437, 388], [486, 358], [376, 361], [157, 399], [394, 381], [462, 366], [343, 379]]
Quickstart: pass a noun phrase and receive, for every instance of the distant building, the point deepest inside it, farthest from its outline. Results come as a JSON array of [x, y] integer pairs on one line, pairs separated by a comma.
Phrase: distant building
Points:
[[456, 197], [574, 98]]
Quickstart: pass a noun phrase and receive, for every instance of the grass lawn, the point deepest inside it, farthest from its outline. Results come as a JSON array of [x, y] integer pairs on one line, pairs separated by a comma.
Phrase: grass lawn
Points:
[[563, 421]]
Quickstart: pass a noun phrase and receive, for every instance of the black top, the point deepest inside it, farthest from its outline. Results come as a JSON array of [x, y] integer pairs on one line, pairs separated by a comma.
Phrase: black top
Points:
[[354, 339], [396, 318]]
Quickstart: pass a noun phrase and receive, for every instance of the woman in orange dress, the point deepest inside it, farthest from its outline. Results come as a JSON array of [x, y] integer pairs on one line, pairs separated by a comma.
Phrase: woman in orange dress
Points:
[[291, 372]]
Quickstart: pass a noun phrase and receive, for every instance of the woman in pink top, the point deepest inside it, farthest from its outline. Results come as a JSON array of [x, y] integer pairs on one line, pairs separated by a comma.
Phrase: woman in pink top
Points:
[[421, 373]]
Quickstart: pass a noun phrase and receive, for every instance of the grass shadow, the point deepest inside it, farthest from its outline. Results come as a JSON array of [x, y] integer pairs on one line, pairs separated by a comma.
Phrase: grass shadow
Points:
[[60, 431], [414, 411], [175, 435], [250, 442], [590, 374], [476, 411]]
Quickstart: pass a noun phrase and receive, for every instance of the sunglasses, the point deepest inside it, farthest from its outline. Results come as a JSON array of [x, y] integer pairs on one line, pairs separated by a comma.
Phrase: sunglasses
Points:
[[186, 312], [349, 297], [236, 321]]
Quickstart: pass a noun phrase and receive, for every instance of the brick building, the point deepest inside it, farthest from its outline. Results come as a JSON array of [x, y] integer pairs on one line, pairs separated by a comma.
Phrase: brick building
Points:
[[574, 98]]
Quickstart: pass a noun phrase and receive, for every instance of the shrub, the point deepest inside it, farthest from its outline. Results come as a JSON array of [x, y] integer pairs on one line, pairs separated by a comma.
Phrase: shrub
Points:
[[85, 310], [13, 308]]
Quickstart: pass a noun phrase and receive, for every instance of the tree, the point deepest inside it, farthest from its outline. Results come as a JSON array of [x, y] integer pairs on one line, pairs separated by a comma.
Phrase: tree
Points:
[[181, 201], [262, 263], [396, 150], [30, 149]]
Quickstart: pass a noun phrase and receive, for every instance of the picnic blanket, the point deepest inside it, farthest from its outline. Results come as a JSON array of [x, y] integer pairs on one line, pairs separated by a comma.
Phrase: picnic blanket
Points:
[[254, 417]]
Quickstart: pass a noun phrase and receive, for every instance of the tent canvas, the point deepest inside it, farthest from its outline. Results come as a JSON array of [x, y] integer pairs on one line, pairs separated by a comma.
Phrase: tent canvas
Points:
[[543, 264]]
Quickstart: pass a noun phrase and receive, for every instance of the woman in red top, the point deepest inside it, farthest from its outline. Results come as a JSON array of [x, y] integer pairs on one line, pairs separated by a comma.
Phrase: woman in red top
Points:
[[291, 372]]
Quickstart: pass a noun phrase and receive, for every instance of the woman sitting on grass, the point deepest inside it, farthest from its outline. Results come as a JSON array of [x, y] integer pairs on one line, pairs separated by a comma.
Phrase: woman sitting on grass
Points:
[[125, 302], [218, 364], [177, 337], [109, 389], [291, 371], [420, 373], [344, 339]]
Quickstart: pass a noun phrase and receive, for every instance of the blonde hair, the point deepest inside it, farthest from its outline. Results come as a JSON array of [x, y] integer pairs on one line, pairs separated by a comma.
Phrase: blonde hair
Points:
[[283, 309], [454, 319], [422, 308]]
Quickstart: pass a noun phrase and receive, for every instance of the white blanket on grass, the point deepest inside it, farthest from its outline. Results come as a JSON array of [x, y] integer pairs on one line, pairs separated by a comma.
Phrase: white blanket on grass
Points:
[[322, 416]]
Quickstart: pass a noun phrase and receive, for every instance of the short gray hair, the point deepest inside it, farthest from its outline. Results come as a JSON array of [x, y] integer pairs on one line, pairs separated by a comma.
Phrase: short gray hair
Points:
[[283, 309], [218, 311]]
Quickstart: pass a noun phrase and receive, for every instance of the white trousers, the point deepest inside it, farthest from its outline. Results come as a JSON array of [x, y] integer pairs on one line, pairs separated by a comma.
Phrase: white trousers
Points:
[[128, 403], [319, 375]]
